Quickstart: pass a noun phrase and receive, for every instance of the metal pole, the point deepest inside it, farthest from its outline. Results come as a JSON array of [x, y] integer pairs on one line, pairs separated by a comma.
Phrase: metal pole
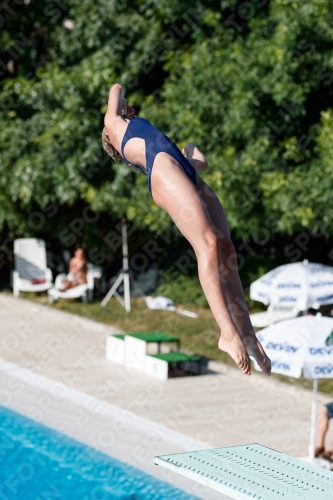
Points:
[[112, 290], [125, 246], [124, 276], [127, 293], [313, 430]]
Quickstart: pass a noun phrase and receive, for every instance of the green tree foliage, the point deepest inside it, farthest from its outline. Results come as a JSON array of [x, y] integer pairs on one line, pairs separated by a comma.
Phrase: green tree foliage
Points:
[[249, 82], [257, 96]]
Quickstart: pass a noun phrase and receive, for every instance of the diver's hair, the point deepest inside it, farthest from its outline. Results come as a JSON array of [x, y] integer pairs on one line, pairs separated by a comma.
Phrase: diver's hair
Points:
[[109, 149]]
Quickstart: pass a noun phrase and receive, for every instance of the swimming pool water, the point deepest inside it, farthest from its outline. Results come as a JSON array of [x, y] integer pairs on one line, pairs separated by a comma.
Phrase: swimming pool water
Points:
[[38, 463]]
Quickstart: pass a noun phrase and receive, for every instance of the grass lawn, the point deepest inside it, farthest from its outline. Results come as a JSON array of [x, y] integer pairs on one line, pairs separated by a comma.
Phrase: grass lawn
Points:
[[197, 336]]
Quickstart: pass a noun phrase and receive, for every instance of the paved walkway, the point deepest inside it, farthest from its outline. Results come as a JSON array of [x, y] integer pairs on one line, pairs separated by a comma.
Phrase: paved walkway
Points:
[[54, 370]]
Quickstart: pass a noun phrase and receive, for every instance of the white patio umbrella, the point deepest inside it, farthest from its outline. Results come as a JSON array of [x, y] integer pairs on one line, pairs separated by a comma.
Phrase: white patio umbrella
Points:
[[301, 344], [300, 285]]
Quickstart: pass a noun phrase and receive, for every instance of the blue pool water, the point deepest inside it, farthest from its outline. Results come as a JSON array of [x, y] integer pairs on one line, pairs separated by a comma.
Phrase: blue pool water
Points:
[[38, 463]]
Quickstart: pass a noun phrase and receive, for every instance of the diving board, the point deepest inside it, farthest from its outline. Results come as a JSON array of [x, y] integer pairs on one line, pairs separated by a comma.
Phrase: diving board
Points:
[[252, 471]]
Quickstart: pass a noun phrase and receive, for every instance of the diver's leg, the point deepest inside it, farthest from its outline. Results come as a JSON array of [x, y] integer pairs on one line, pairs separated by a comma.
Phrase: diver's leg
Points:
[[174, 192], [229, 271]]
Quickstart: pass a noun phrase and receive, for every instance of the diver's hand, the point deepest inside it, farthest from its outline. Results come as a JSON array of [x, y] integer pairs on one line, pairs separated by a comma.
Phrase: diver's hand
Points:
[[189, 150], [195, 157]]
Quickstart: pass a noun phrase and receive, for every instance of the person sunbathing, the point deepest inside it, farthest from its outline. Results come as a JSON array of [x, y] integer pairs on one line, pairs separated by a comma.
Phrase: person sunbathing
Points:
[[77, 273], [177, 188]]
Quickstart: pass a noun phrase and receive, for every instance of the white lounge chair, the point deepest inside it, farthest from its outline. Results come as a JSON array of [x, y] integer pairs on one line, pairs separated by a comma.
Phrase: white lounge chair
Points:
[[273, 315], [31, 273], [85, 292]]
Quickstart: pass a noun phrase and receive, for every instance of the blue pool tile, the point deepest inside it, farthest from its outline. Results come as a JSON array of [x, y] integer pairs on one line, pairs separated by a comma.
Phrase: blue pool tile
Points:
[[38, 463]]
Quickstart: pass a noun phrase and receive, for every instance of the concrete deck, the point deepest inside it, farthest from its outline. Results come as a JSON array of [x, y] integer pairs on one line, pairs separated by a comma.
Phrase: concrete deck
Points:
[[54, 370]]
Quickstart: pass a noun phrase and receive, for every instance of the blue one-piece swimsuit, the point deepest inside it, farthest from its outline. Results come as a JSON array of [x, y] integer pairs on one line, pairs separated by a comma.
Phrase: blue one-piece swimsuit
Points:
[[156, 142]]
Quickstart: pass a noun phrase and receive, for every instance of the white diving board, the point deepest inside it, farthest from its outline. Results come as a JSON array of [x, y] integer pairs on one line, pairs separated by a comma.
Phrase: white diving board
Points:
[[252, 471]]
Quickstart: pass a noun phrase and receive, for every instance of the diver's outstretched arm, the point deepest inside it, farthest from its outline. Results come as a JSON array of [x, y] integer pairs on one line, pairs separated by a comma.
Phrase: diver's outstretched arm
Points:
[[116, 101]]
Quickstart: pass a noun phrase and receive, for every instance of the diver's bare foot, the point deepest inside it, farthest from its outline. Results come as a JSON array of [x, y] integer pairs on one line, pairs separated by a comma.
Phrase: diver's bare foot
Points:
[[231, 343], [255, 349]]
